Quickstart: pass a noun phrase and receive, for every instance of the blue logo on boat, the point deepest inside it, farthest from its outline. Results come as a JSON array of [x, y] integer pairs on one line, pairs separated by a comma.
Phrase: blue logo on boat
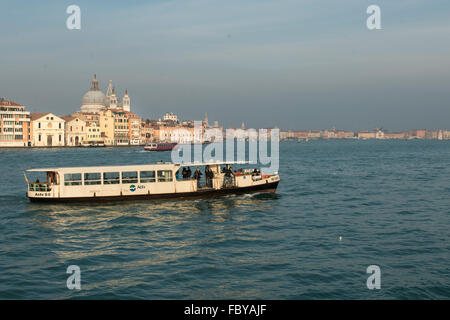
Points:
[[132, 188]]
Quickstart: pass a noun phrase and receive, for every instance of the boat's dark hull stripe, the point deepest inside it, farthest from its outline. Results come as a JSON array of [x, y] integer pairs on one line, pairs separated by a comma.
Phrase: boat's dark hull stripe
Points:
[[267, 187]]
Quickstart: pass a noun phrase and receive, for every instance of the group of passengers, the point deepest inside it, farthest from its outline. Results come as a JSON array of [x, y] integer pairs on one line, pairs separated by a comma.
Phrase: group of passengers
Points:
[[209, 175], [186, 173], [228, 172]]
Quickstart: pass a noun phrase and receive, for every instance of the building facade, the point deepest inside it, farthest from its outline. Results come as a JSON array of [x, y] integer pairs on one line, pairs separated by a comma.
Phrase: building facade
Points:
[[75, 131], [15, 128], [48, 130]]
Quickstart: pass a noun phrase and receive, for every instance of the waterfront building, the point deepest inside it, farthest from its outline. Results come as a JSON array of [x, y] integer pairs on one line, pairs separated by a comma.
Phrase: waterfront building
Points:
[[443, 135], [75, 131], [314, 134], [87, 116], [166, 133], [342, 134], [366, 135], [170, 116], [431, 134], [379, 134], [236, 133], [214, 133], [107, 126], [15, 128], [183, 135], [416, 134], [93, 134], [134, 125], [147, 133], [121, 127], [48, 130], [395, 135]]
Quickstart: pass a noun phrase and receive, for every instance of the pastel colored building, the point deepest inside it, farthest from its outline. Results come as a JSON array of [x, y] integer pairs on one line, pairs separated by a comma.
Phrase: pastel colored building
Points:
[[48, 130], [366, 135], [75, 131], [15, 128]]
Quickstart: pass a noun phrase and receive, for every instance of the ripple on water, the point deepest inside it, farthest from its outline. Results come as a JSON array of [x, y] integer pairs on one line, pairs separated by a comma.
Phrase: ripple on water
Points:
[[389, 202]]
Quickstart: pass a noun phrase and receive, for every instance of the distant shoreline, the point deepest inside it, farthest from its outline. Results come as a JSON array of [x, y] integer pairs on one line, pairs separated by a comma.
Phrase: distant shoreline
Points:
[[282, 140]]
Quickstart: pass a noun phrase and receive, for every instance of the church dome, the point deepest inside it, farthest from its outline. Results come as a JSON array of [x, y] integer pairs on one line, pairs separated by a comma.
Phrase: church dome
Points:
[[94, 100]]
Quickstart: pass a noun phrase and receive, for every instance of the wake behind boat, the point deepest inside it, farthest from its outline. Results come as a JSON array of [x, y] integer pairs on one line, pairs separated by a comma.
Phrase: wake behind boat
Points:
[[146, 182]]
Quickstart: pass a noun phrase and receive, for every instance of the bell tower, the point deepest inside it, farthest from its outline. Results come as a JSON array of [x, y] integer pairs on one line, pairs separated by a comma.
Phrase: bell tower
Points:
[[126, 101]]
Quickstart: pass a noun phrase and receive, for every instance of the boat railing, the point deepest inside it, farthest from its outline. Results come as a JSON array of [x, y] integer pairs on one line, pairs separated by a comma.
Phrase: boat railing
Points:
[[39, 187]]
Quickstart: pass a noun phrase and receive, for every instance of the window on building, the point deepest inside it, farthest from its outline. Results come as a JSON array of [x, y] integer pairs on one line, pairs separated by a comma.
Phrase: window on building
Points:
[[147, 176], [72, 179], [129, 177], [92, 178], [39, 138], [39, 125]]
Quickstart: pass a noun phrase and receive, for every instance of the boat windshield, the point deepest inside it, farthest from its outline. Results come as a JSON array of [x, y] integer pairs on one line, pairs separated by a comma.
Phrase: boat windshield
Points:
[[42, 181]]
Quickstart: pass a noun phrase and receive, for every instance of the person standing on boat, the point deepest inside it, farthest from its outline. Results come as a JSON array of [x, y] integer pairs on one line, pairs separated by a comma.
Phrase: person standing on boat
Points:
[[228, 176], [188, 173], [209, 174], [184, 173], [197, 175]]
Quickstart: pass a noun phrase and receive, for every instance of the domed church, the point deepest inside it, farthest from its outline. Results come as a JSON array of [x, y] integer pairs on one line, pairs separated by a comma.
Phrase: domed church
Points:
[[95, 100]]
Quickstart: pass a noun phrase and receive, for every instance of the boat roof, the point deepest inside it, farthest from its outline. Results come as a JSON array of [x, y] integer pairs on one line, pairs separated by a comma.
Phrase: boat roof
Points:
[[161, 165]]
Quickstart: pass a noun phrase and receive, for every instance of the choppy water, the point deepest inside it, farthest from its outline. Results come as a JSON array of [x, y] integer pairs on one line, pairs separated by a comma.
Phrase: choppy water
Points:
[[389, 200]]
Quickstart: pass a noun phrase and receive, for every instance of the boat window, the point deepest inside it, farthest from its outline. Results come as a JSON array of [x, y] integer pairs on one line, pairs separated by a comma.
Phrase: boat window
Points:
[[129, 177], [147, 176], [111, 177], [72, 179], [92, 178], [164, 175]]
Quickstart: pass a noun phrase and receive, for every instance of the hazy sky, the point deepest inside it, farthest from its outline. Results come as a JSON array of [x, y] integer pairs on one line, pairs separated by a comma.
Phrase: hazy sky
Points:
[[298, 64]]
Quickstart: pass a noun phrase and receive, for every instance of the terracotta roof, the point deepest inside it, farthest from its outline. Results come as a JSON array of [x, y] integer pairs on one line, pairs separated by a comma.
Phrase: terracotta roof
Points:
[[67, 118], [4, 102], [35, 116]]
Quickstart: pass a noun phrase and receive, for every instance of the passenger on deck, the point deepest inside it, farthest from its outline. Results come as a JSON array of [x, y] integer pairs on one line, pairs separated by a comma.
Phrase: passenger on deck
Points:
[[188, 173], [197, 175], [184, 173], [228, 178], [209, 174]]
